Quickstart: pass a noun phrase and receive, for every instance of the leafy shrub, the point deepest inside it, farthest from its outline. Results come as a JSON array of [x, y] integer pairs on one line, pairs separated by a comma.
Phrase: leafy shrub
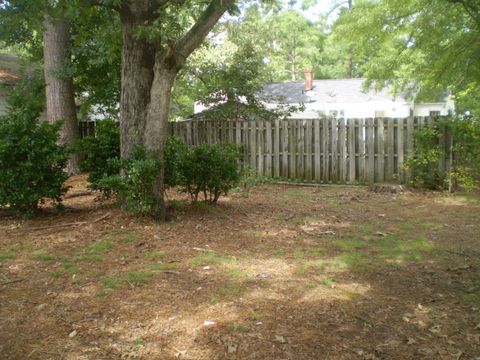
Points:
[[31, 162], [134, 186], [175, 152], [464, 155], [424, 161], [211, 169], [101, 154]]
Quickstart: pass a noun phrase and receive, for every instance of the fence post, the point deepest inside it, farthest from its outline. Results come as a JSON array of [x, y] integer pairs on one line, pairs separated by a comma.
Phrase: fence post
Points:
[[316, 139]]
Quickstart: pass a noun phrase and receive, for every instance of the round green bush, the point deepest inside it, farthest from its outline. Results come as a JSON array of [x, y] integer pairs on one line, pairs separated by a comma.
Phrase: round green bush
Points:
[[31, 162]]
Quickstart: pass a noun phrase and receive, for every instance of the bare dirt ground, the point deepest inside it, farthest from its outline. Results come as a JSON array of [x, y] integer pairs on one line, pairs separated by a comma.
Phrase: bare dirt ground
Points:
[[287, 273]]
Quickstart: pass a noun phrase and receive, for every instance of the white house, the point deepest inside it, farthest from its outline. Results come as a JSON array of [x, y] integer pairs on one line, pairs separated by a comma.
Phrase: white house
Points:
[[345, 98]]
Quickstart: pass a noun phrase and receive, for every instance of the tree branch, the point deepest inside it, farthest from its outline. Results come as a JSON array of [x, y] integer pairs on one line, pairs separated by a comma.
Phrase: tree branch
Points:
[[192, 39]]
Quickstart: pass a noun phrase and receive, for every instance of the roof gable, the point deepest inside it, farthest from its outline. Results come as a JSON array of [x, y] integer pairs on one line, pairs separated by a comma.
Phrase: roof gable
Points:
[[326, 91]]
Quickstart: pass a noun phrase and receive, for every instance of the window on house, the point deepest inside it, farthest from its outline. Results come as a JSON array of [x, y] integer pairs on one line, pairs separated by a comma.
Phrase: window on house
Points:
[[434, 113], [379, 113]]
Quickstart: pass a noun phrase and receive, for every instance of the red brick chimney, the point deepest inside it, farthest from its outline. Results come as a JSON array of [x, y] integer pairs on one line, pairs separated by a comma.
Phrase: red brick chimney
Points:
[[308, 79]]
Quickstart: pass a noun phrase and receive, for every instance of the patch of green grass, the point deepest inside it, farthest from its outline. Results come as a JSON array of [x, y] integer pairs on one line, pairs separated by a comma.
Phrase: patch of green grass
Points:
[[328, 281], [10, 255], [305, 266], [155, 255], [349, 244], [210, 258], [213, 300], [297, 191], [473, 294], [395, 248], [205, 206], [365, 228], [138, 342], [278, 253], [310, 286], [129, 237], [228, 292], [55, 274], [139, 278], [100, 247], [70, 266], [76, 282], [236, 327], [308, 252], [164, 266], [237, 273], [254, 316], [309, 220], [42, 256], [353, 261], [134, 278], [111, 282], [90, 258]]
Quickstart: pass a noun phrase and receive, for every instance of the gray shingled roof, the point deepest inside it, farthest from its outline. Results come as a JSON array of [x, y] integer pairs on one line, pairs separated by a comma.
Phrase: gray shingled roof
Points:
[[325, 91]]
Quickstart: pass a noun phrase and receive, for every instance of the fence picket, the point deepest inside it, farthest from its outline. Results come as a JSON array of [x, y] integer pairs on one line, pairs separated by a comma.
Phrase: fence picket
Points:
[[370, 149], [390, 150], [342, 136], [276, 149], [351, 149], [317, 156], [380, 139], [326, 150]]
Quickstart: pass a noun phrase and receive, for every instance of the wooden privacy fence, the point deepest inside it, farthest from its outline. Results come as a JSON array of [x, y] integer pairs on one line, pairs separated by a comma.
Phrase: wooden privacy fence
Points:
[[318, 150]]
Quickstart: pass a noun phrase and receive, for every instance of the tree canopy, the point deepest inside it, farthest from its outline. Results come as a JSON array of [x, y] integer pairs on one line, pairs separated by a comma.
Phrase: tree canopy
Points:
[[425, 46]]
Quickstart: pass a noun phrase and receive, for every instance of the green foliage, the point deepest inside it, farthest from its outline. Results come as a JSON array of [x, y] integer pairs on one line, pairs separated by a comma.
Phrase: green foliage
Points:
[[174, 153], [101, 154], [422, 46], [31, 161], [210, 169], [424, 161], [465, 171], [464, 155], [135, 186], [29, 93]]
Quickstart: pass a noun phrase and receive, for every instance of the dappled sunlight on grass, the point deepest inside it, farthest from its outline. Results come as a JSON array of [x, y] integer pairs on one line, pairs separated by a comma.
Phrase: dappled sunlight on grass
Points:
[[249, 279], [396, 248]]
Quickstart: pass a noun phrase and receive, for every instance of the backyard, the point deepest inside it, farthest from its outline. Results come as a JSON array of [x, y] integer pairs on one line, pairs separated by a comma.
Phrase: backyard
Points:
[[289, 272]]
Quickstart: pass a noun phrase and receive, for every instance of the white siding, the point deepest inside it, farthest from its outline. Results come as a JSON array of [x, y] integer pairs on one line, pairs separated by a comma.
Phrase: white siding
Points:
[[424, 109]]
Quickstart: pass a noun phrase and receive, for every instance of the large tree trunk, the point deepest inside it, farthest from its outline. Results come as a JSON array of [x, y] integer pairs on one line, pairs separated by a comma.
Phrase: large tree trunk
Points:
[[59, 84], [138, 58], [148, 74], [157, 126]]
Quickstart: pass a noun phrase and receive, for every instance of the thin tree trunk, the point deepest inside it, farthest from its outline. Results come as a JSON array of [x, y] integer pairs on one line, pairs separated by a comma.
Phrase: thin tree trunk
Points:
[[294, 59], [350, 49], [138, 58], [59, 84]]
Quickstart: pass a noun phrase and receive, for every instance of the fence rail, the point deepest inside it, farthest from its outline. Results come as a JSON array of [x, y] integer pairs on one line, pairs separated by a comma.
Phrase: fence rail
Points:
[[318, 150]]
